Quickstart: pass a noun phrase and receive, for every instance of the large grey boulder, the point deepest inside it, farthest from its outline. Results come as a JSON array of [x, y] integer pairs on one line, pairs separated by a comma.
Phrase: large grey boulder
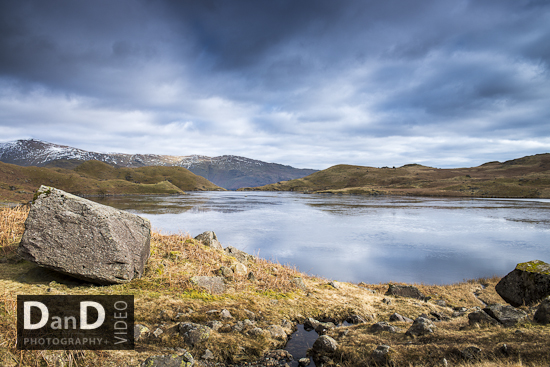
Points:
[[409, 291], [506, 315], [84, 239], [526, 285]]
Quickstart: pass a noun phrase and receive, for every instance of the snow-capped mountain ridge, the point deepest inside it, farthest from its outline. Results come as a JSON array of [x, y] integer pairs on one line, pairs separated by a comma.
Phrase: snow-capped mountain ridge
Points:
[[228, 171]]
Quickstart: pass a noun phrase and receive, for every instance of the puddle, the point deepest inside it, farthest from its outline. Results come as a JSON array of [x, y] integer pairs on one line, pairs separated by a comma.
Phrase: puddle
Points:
[[299, 343]]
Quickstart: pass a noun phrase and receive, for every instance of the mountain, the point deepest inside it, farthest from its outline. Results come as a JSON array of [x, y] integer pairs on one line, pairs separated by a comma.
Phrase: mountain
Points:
[[229, 172], [527, 177]]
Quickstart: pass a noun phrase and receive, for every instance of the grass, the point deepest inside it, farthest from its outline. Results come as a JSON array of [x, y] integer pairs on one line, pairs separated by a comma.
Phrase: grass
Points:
[[527, 177], [164, 296]]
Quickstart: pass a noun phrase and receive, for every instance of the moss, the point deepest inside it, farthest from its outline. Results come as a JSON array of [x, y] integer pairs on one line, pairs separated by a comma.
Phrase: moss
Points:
[[535, 266]]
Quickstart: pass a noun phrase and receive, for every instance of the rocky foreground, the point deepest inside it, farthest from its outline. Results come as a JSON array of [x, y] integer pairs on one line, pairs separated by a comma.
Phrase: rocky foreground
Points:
[[198, 303]]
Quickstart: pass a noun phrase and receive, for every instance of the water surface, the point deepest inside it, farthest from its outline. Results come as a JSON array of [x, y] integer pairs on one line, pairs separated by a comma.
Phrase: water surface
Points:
[[362, 238]]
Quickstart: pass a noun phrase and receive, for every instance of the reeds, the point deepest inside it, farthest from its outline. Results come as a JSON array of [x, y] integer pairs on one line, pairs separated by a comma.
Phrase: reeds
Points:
[[12, 225]]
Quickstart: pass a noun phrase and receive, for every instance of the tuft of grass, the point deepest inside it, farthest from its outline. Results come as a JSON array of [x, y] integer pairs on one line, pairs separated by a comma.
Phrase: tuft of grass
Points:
[[12, 226]]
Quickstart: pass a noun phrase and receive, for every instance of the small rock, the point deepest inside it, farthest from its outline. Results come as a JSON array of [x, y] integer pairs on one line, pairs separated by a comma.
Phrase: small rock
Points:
[[238, 327], [441, 303], [140, 331], [302, 362], [381, 355], [241, 256], [214, 285], [214, 325], [405, 291], [386, 301], [481, 317], [225, 314], [208, 355], [194, 333], [251, 277], [398, 318], [277, 332], [239, 269], [157, 332], [279, 355], [226, 272], [174, 360], [251, 315], [439, 316], [421, 326], [257, 331], [384, 326], [299, 282], [506, 315], [356, 319], [334, 284], [209, 239], [325, 344]]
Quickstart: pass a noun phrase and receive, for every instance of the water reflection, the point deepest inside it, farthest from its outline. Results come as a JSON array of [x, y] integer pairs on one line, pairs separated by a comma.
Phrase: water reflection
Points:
[[358, 238]]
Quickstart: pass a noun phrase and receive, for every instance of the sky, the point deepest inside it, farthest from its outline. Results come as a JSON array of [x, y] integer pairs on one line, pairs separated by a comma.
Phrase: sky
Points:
[[310, 83]]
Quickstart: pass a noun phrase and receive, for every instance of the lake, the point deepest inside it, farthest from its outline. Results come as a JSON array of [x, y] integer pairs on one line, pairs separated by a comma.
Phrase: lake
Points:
[[362, 238]]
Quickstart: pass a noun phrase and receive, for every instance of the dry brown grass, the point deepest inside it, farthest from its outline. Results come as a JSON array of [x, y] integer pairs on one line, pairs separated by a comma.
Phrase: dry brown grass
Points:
[[164, 297], [12, 225]]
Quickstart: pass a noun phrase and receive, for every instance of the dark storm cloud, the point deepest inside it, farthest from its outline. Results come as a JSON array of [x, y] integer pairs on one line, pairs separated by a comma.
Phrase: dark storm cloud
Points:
[[311, 82]]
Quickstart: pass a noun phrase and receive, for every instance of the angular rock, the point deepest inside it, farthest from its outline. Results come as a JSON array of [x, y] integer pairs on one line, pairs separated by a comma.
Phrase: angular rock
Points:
[[208, 355], [239, 269], [381, 355], [384, 326], [140, 331], [214, 285], [481, 317], [408, 291], [421, 326], [356, 319], [299, 282], [225, 314], [84, 239], [527, 284], [397, 317], [542, 315], [241, 256], [209, 239], [277, 332], [506, 315], [194, 333], [170, 360], [303, 362], [226, 272], [325, 344], [334, 284]]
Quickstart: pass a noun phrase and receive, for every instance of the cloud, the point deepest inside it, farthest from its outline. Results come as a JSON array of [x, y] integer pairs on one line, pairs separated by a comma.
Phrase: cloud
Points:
[[309, 83]]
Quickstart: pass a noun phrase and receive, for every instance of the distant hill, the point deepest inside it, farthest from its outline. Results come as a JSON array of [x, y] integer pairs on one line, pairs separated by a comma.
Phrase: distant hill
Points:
[[527, 177], [96, 178], [230, 172]]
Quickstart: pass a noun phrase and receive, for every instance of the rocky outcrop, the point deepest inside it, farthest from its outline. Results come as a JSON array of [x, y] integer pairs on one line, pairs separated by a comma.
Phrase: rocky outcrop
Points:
[[527, 284], [209, 239], [84, 239], [497, 314]]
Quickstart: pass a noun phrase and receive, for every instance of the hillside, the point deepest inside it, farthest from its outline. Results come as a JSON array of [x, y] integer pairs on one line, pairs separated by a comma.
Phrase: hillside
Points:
[[527, 177], [228, 171], [17, 184]]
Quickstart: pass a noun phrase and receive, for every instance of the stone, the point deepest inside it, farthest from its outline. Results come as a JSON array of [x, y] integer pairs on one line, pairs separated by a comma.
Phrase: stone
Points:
[[471, 353], [278, 355], [239, 269], [481, 317], [140, 331], [303, 362], [356, 319], [194, 333], [381, 355], [421, 326], [384, 326], [542, 315], [334, 284], [398, 318], [84, 239], [527, 284], [318, 326], [257, 331], [506, 315], [325, 344], [408, 291], [251, 315], [209, 239], [241, 256], [225, 314], [214, 285], [299, 282], [170, 360], [214, 325], [277, 332], [158, 332], [251, 277], [208, 355], [226, 272]]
